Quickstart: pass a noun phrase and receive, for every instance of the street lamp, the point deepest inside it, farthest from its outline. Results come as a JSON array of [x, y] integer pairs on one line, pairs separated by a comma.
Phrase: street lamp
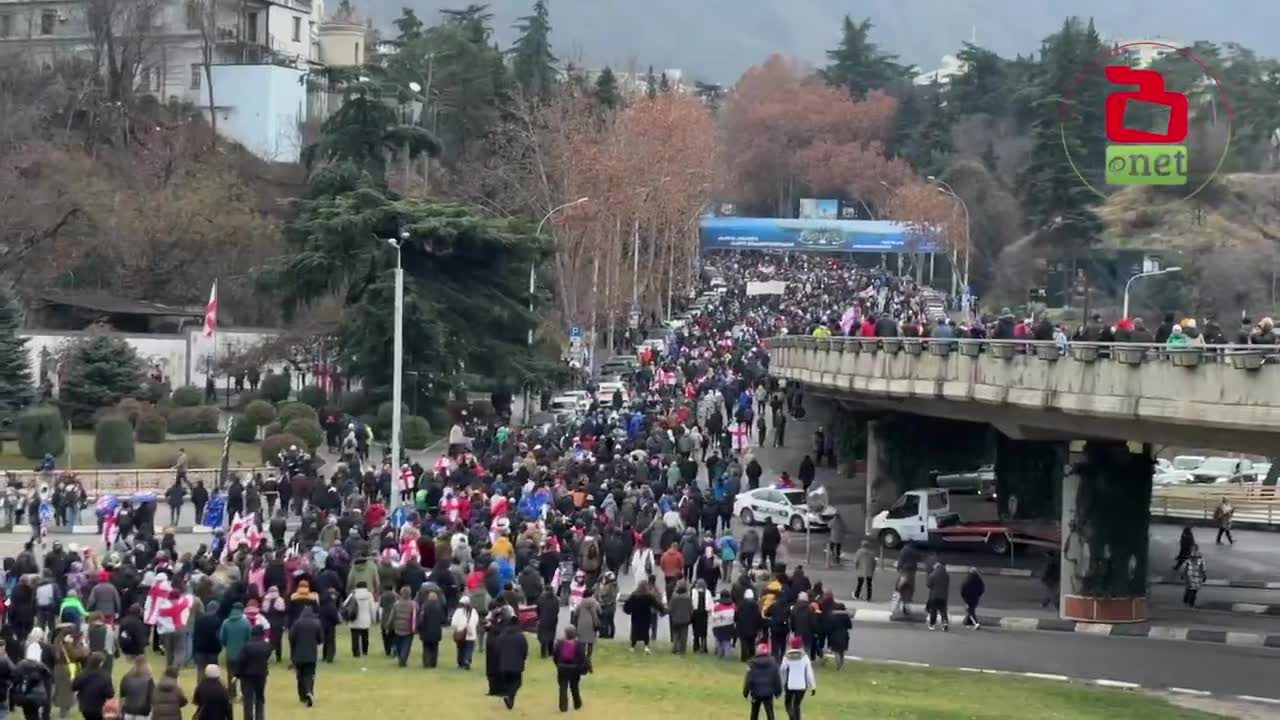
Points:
[[533, 279], [945, 189], [397, 361], [1124, 313]]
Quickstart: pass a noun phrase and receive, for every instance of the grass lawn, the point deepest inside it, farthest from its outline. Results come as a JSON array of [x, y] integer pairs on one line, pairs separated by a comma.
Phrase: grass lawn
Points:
[[638, 687], [200, 454]]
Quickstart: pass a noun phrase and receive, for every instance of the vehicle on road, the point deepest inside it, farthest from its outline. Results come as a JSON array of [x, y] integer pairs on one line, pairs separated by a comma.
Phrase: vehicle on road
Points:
[[565, 404], [1171, 477], [786, 506], [605, 390], [1188, 462], [980, 481], [1222, 470], [925, 517], [619, 365]]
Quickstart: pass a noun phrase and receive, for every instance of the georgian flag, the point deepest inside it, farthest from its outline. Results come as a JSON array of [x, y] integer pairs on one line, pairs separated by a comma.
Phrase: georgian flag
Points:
[[109, 528], [211, 312], [157, 596], [244, 531]]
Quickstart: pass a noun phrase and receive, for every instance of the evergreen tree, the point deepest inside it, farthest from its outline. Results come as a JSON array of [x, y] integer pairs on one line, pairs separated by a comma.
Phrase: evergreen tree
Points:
[[16, 390], [606, 91], [576, 79], [98, 372], [859, 65], [930, 148], [650, 84], [664, 85], [532, 63], [409, 25], [981, 88]]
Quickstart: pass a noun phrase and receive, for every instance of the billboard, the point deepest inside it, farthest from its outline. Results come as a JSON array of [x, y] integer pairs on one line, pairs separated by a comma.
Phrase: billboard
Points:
[[808, 235], [818, 209]]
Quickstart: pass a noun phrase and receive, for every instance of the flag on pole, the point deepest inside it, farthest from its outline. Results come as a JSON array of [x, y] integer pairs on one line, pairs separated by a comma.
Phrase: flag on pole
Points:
[[244, 531], [211, 312]]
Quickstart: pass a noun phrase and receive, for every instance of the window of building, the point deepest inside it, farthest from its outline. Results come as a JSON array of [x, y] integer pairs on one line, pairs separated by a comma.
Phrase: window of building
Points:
[[48, 18], [6, 25], [251, 27], [193, 15], [195, 76], [297, 29]]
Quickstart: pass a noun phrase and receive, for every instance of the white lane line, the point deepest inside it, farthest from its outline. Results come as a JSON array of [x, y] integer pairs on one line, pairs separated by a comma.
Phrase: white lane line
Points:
[[1093, 628], [907, 663], [1248, 608], [1245, 639], [1256, 699], [1117, 684], [1189, 691], [853, 658], [1046, 676]]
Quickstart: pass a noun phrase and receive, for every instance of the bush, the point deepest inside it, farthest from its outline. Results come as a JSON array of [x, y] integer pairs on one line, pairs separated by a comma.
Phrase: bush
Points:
[[272, 446], [290, 411], [243, 399], [356, 403], [385, 412], [40, 432], [307, 429], [131, 408], [274, 428], [415, 433], [313, 395], [260, 412], [275, 387], [113, 440], [166, 407], [243, 429], [188, 396], [438, 418], [152, 427], [191, 420], [154, 392]]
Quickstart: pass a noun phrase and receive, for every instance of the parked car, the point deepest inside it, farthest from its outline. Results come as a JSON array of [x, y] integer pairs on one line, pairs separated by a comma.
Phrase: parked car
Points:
[[1224, 470], [1171, 477], [565, 404], [604, 392], [980, 482], [1188, 462], [787, 507]]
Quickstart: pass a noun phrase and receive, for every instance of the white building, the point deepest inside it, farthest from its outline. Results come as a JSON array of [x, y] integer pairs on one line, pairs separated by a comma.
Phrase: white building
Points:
[[951, 66], [262, 52], [1148, 50]]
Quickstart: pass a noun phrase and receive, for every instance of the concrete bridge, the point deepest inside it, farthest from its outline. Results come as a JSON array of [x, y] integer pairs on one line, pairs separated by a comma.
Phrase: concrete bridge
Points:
[[1077, 431]]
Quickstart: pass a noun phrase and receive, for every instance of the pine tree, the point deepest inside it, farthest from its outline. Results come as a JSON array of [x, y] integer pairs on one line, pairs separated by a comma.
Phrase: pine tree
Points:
[[409, 25], [859, 65], [532, 62], [650, 84], [606, 90], [16, 390]]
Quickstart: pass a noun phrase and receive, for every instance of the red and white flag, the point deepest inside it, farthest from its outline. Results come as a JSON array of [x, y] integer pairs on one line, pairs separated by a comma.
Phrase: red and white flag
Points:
[[244, 531], [109, 528], [211, 312]]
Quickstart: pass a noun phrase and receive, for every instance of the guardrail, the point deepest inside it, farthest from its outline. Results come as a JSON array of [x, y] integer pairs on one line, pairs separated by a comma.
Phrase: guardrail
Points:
[[128, 481], [1253, 503], [1243, 357]]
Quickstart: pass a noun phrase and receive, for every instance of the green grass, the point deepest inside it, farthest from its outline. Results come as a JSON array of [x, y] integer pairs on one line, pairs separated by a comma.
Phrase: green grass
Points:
[[638, 687], [200, 454]]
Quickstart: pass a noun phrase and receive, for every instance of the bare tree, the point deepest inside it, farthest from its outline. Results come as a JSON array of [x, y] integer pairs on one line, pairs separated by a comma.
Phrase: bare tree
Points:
[[122, 38], [206, 13]]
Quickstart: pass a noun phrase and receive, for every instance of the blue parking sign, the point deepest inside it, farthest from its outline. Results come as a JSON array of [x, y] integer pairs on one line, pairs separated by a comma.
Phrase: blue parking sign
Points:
[[575, 331]]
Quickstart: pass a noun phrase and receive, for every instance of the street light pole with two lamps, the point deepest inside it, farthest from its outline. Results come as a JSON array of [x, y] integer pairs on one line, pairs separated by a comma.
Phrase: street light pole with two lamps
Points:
[[946, 189], [397, 362]]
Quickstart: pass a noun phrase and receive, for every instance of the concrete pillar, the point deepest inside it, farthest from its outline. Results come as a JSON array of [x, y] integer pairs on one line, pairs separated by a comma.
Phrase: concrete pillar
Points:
[[1029, 478], [1106, 518], [881, 488]]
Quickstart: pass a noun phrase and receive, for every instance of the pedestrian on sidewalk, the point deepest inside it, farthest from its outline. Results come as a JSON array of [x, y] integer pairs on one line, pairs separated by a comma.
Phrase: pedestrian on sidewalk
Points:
[[864, 566], [779, 431], [908, 563], [835, 540], [939, 584], [819, 444], [1222, 516], [1186, 541], [971, 592], [1193, 576], [807, 472]]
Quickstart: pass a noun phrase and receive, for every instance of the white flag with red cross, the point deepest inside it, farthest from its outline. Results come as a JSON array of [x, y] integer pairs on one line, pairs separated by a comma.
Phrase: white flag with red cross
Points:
[[211, 312]]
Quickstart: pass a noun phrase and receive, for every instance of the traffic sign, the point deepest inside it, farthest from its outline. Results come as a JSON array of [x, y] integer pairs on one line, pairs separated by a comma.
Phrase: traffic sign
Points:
[[575, 331]]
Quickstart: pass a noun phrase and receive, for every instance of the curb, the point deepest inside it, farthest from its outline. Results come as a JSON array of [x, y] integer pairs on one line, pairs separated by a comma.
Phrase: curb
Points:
[[999, 572], [1153, 580], [1096, 682], [1135, 630]]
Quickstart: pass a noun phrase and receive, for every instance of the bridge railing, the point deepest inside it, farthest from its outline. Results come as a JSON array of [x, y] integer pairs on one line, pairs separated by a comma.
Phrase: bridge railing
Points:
[[1243, 357], [1253, 502]]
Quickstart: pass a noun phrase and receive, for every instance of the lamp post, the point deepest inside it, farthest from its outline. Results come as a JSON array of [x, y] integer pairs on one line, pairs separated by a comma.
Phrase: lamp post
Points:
[[1124, 313], [397, 369], [533, 279], [945, 189]]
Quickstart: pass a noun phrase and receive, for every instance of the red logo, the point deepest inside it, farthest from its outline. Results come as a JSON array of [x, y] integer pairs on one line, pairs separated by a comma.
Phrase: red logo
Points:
[[1150, 90]]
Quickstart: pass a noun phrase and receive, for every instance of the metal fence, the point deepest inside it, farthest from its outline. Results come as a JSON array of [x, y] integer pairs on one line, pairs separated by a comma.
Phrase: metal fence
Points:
[[1253, 503], [127, 481]]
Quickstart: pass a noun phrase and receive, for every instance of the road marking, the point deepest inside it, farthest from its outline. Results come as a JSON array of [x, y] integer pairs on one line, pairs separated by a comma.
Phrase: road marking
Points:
[[853, 658], [1015, 623], [969, 669], [1216, 582], [873, 615], [1256, 699], [1189, 691], [1166, 632], [1117, 684], [907, 663], [1093, 628], [1246, 639], [1271, 585], [1249, 608], [1046, 676]]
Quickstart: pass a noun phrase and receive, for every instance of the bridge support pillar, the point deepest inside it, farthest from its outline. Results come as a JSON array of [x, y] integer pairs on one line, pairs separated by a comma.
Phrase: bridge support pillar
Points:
[[1106, 518], [1029, 478]]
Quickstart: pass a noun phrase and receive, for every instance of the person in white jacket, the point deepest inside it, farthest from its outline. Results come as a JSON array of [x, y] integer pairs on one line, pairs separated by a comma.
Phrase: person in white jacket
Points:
[[465, 625], [797, 677]]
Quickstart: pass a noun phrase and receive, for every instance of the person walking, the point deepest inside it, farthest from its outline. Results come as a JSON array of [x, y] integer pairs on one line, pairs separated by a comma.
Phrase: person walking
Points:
[[233, 636], [252, 668], [797, 678], [1193, 576], [680, 617], [211, 698], [513, 651], [465, 625], [1222, 516], [864, 567], [168, 699], [763, 682], [431, 622], [644, 609], [305, 636], [548, 607], [747, 622], [1185, 542], [1050, 576], [361, 609], [939, 585], [205, 645], [839, 625], [93, 687], [971, 591], [571, 658], [404, 623], [770, 539], [586, 621], [136, 688], [749, 546]]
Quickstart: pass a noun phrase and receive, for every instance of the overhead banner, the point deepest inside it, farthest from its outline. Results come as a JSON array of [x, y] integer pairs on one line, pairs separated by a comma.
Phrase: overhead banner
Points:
[[766, 287], [805, 235]]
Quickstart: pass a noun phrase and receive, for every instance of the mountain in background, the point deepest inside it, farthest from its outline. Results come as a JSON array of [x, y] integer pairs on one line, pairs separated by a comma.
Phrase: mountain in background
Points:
[[715, 40]]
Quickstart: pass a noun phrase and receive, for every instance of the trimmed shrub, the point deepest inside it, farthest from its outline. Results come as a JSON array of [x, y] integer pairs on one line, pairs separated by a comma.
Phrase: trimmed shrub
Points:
[[154, 392], [243, 399], [272, 446], [290, 411], [385, 410], [41, 432], [132, 409], [356, 403], [166, 407], [313, 395], [243, 429], [415, 433], [438, 418], [260, 412], [307, 429], [188, 396], [274, 428], [191, 420], [152, 427], [113, 440], [274, 387]]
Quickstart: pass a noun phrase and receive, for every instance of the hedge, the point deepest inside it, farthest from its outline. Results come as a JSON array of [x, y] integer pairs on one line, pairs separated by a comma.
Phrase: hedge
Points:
[[154, 392], [113, 440], [272, 446], [152, 427], [188, 396], [385, 412], [290, 411], [273, 428], [275, 387], [132, 409], [415, 433], [243, 429], [41, 432], [356, 403], [306, 428], [313, 395], [190, 420], [260, 412]]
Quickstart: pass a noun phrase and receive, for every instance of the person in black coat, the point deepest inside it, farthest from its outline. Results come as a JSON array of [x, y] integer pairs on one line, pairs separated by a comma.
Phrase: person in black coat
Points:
[[211, 698], [548, 617], [252, 670], [644, 609], [199, 498], [754, 471], [431, 621], [762, 683], [330, 619], [305, 637], [513, 650], [971, 591], [770, 539], [570, 657], [747, 623], [808, 471], [133, 634], [205, 643]]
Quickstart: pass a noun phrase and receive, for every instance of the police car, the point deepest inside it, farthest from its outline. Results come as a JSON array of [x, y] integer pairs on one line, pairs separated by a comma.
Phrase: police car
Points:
[[786, 506]]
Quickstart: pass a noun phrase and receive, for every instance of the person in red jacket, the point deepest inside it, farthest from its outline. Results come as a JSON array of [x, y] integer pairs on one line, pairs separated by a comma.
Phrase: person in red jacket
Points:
[[375, 514]]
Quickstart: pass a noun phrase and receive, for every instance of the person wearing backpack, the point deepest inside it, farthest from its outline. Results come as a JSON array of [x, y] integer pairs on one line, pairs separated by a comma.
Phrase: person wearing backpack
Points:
[[727, 551], [360, 611], [570, 656]]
